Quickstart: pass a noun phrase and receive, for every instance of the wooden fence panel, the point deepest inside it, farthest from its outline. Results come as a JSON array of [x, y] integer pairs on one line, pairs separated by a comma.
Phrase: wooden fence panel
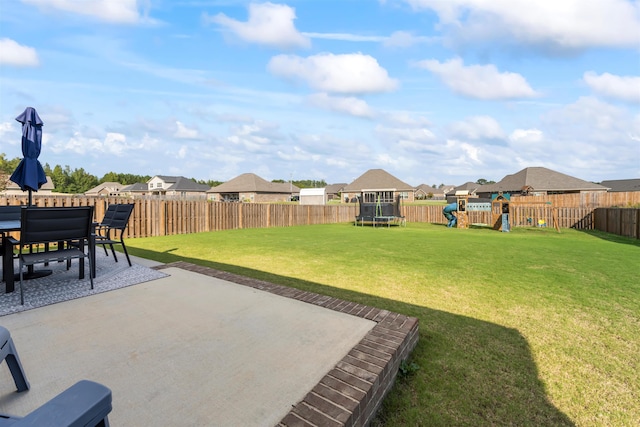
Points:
[[624, 222], [158, 217]]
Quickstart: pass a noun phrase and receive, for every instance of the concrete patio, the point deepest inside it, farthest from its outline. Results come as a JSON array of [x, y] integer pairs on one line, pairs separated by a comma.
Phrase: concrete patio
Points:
[[204, 347]]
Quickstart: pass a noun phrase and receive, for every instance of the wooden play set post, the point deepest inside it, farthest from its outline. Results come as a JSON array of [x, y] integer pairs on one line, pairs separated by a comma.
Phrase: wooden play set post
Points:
[[500, 211], [461, 213]]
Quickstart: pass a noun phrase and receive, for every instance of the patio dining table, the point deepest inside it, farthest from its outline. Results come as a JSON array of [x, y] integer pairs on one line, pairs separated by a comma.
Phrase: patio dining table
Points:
[[8, 273]]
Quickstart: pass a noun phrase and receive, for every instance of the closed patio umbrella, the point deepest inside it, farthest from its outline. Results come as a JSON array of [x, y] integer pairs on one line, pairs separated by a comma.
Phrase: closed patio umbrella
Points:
[[29, 174]]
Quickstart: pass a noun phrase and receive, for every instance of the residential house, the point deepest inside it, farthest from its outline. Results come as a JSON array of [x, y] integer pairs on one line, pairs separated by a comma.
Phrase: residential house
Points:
[[106, 189], [138, 189], [536, 181], [12, 189], [378, 185], [426, 192], [176, 187], [249, 187], [468, 189], [622, 185], [333, 191]]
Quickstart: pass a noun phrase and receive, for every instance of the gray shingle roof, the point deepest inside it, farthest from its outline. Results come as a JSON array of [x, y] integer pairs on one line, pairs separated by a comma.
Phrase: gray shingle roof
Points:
[[377, 179], [138, 186], [252, 183], [335, 188], [540, 179], [185, 184], [622, 184]]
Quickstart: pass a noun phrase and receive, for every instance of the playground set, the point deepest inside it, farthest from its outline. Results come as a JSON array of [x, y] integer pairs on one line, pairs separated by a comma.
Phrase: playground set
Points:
[[500, 208]]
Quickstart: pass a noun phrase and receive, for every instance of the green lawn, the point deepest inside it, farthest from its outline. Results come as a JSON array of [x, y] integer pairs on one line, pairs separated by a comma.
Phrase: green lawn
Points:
[[530, 327]]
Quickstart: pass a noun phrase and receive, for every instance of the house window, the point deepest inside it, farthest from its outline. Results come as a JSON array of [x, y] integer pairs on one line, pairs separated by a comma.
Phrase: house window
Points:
[[378, 196], [230, 197], [404, 195]]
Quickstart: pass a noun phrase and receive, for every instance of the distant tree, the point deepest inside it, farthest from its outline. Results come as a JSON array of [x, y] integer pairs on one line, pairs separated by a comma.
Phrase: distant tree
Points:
[[6, 169], [483, 181], [67, 181], [441, 185], [124, 178], [210, 182]]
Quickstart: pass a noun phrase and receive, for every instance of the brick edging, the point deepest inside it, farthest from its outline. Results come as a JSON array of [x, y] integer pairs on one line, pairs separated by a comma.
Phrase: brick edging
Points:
[[352, 392]]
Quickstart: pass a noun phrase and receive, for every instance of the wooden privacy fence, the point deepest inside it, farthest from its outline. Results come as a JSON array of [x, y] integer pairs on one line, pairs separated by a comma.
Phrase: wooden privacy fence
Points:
[[158, 217], [624, 222]]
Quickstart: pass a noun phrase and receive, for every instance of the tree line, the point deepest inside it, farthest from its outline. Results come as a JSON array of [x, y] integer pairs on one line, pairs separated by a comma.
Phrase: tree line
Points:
[[77, 181]]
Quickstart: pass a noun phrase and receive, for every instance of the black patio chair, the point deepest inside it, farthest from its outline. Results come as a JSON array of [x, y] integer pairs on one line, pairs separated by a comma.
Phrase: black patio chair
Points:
[[55, 225], [113, 232], [101, 228]]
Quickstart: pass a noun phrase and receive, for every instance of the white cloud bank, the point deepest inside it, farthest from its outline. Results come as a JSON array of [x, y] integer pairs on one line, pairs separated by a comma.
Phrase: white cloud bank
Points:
[[626, 88], [479, 81], [13, 53], [354, 73], [113, 11], [565, 24], [268, 24]]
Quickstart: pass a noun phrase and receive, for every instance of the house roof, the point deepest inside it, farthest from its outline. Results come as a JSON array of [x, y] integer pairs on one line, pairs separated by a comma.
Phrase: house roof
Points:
[[138, 186], [46, 186], [180, 183], [429, 189], [540, 179], [377, 179], [335, 188], [622, 184], [252, 183], [186, 184], [105, 185], [469, 186]]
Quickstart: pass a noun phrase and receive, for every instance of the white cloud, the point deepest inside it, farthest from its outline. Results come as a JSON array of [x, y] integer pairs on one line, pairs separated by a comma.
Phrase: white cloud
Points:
[[269, 24], [183, 132], [479, 81], [526, 136], [6, 128], [113, 11], [566, 24], [353, 73], [13, 53], [402, 39], [626, 88], [350, 105], [478, 127]]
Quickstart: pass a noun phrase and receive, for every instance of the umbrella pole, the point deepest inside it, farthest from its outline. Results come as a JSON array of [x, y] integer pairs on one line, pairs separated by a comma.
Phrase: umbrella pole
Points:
[[31, 274]]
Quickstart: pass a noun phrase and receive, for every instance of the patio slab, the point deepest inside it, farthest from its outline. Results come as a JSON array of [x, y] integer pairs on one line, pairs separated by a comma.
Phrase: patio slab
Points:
[[195, 348]]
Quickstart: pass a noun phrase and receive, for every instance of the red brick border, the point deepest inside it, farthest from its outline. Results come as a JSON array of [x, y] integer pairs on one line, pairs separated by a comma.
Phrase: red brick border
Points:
[[352, 392]]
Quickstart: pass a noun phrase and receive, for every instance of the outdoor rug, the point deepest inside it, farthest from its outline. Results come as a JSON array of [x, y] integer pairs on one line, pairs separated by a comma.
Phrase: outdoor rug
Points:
[[63, 284]]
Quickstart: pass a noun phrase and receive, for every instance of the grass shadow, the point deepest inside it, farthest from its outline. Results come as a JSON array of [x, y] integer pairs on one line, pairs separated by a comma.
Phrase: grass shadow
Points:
[[614, 238], [470, 372]]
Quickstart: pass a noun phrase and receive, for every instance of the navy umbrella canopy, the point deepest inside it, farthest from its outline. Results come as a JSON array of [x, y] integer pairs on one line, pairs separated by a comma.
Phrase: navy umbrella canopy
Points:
[[29, 174]]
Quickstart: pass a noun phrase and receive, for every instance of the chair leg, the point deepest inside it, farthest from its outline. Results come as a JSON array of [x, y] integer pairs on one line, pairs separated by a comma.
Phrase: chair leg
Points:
[[21, 284], [124, 248], [113, 251], [90, 268], [15, 367]]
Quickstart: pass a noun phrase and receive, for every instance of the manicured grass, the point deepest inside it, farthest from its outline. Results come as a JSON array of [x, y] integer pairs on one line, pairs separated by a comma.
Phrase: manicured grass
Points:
[[530, 327]]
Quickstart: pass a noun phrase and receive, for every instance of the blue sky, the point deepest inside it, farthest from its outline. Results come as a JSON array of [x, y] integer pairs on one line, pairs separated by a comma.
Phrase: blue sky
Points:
[[431, 91]]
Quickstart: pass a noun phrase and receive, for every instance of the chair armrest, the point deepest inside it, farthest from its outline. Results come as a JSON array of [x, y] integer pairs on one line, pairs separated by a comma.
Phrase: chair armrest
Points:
[[86, 403]]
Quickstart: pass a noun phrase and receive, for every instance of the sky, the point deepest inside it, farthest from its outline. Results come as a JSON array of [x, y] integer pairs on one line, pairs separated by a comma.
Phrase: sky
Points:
[[431, 91]]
